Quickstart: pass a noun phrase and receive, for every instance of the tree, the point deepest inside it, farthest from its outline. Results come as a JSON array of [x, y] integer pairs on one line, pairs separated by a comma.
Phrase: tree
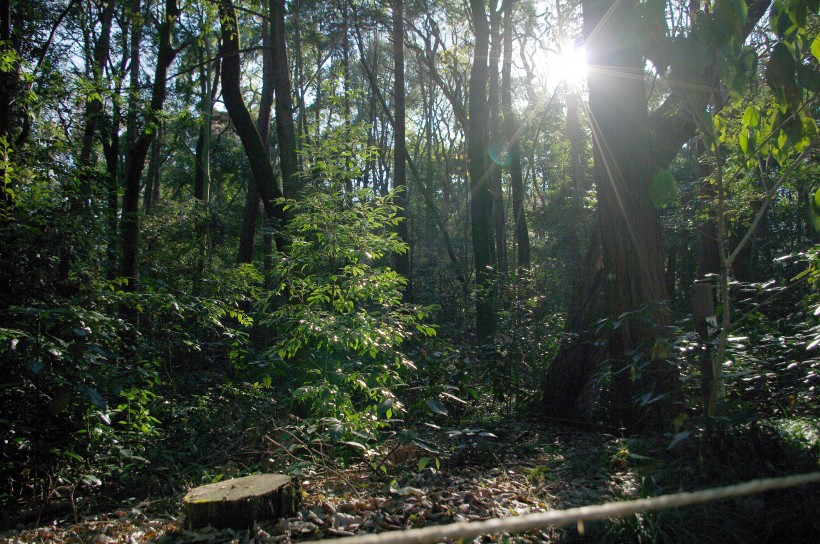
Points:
[[481, 196], [138, 151], [511, 131], [624, 173], [402, 259], [263, 175]]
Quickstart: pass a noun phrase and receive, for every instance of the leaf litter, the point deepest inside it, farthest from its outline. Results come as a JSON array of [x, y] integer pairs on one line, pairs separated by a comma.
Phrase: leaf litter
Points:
[[512, 473]]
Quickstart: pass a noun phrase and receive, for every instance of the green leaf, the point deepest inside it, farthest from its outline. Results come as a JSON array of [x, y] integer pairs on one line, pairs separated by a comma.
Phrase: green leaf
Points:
[[751, 117], [336, 431], [407, 436], [664, 188], [815, 48], [385, 409], [814, 210], [356, 445], [436, 407], [780, 75], [96, 398], [91, 480]]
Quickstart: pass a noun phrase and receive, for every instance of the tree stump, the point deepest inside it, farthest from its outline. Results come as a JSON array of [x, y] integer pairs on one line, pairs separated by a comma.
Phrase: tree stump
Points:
[[238, 503]]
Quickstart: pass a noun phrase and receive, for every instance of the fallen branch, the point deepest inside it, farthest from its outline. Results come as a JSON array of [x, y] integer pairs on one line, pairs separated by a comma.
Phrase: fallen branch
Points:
[[556, 518]]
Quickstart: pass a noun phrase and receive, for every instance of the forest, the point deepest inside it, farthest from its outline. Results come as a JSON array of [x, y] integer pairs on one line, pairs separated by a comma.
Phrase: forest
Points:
[[437, 261]]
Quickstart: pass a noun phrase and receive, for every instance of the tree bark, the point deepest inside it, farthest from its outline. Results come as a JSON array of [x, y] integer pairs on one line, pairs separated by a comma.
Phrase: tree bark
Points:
[[207, 97], [521, 233], [402, 260], [252, 196], [496, 137], [630, 224], [285, 130], [130, 223], [150, 195], [577, 359], [93, 108], [481, 202], [671, 125], [262, 172]]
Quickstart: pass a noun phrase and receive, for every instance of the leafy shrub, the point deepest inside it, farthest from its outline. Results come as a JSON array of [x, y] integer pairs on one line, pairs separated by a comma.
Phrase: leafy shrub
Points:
[[337, 315]]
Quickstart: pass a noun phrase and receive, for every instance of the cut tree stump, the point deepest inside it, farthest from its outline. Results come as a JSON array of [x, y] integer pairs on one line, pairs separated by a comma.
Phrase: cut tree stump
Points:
[[238, 503]]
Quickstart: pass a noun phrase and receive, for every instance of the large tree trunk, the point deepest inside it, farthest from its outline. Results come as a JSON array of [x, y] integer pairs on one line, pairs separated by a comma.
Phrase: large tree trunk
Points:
[[262, 172], [671, 125], [130, 224], [481, 202], [574, 231], [402, 260], [577, 359], [630, 224]]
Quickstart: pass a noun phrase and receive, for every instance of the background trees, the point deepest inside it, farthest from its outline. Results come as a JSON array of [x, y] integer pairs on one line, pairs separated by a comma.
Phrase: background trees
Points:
[[435, 135]]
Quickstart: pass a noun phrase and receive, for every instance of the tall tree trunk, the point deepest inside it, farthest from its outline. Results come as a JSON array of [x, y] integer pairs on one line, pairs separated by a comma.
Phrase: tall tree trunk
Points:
[[150, 195], [93, 107], [80, 202], [496, 137], [521, 233], [252, 196], [630, 225], [285, 130], [111, 149], [429, 202], [130, 224], [402, 260], [8, 80], [671, 125], [8, 76], [207, 97], [262, 172], [481, 202]]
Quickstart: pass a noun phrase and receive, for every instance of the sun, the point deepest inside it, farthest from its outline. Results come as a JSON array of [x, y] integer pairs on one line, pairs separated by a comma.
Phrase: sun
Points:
[[570, 64]]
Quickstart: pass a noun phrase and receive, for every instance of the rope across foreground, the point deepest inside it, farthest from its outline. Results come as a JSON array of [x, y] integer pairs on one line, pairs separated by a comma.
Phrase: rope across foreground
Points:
[[557, 518]]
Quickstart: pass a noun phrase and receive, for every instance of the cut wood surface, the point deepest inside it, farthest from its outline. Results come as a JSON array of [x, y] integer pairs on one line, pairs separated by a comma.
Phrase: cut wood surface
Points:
[[238, 503]]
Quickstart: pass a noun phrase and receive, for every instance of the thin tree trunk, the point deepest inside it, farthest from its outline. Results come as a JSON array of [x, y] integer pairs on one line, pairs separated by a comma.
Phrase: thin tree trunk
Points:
[[496, 136], [130, 224], [111, 149], [93, 108], [521, 233], [207, 97], [285, 130], [429, 202], [150, 194], [402, 260]]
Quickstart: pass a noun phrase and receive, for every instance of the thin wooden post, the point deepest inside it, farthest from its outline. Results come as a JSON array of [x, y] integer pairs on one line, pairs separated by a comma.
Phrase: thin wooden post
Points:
[[703, 312]]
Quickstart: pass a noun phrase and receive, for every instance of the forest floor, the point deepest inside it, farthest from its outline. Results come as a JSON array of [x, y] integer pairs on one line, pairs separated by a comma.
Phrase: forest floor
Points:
[[519, 470]]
